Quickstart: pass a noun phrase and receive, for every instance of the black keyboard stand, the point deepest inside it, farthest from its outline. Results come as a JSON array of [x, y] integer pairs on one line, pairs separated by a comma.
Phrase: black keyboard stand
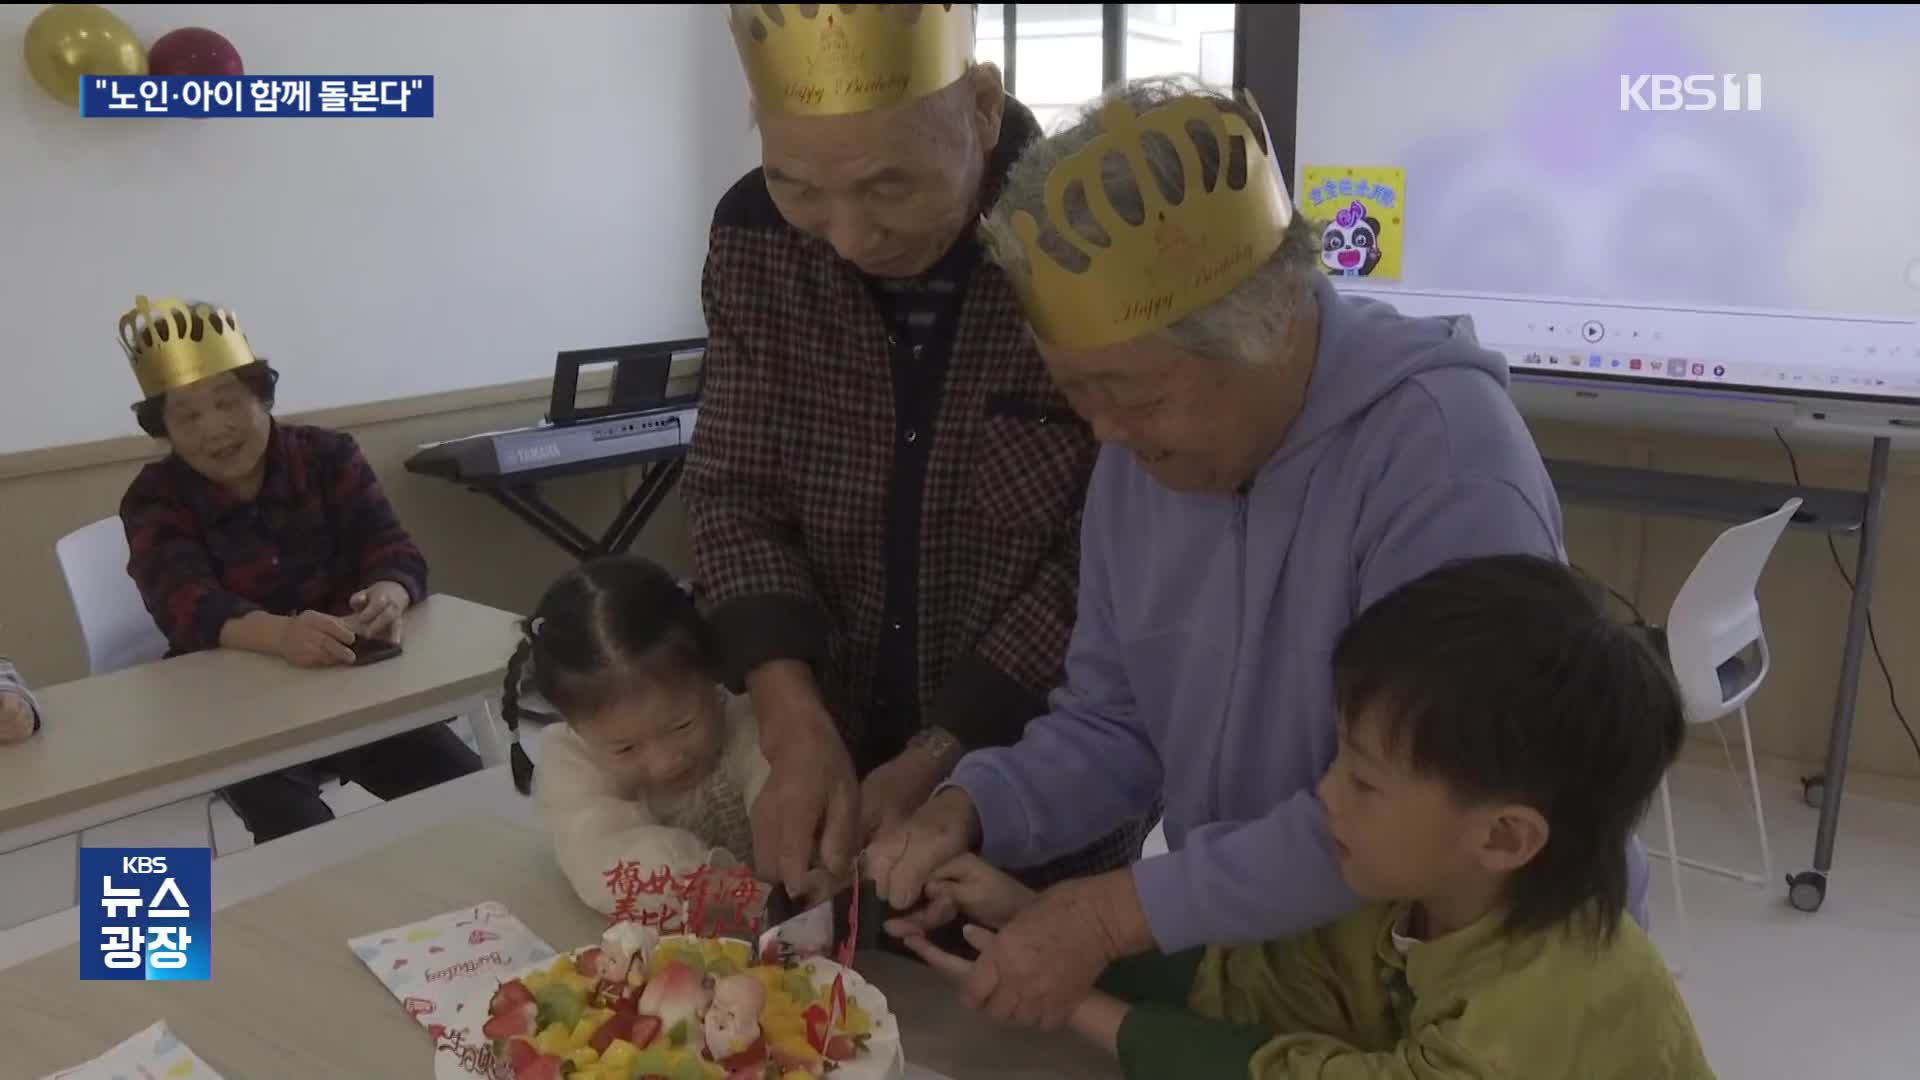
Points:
[[520, 494]]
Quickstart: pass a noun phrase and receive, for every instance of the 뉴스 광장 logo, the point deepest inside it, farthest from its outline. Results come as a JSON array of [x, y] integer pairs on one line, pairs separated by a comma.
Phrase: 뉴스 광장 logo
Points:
[[146, 914], [1689, 93]]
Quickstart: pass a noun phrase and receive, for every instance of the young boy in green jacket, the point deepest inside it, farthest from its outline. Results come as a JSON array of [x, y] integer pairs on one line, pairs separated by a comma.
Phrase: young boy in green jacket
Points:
[[1500, 738]]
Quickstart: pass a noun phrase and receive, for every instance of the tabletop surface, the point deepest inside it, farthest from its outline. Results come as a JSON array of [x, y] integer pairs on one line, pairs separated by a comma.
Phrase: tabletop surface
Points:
[[107, 736], [288, 998]]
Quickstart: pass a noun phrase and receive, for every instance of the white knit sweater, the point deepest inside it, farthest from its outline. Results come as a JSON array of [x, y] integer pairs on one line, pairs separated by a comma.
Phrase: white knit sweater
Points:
[[596, 824]]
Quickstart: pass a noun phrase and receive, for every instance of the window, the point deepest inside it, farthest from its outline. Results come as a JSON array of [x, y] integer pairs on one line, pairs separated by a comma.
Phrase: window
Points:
[[1181, 39], [1060, 57], [1056, 55]]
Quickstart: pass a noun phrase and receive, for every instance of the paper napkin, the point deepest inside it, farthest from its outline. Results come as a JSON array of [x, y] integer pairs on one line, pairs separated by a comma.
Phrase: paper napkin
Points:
[[431, 965], [154, 1054]]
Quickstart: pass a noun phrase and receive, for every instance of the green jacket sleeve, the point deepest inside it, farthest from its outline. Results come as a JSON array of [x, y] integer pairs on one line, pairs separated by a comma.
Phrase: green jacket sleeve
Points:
[[1166, 1042], [1158, 1042], [1153, 976], [1428, 1055]]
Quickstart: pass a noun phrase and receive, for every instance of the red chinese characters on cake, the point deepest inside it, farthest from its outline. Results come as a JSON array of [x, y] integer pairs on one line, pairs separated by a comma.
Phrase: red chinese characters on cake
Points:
[[707, 902]]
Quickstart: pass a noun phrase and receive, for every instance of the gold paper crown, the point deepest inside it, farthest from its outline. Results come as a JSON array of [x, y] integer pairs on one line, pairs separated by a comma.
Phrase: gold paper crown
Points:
[[172, 343], [1182, 256], [829, 59]]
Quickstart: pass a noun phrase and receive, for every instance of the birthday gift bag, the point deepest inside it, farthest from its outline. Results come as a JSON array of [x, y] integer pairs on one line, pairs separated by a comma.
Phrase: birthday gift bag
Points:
[[429, 966], [153, 1053]]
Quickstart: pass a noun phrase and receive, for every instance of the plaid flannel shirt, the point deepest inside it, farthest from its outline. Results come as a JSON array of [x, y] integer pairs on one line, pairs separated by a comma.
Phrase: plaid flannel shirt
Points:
[[320, 530], [800, 454]]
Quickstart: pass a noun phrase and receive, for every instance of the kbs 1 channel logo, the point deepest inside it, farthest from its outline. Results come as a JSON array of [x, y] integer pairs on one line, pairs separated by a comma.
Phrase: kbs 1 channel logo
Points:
[[1690, 93], [257, 96], [146, 914]]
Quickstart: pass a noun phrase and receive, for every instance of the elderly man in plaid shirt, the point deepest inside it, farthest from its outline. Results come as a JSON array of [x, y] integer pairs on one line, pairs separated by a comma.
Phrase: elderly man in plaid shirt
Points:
[[884, 488]]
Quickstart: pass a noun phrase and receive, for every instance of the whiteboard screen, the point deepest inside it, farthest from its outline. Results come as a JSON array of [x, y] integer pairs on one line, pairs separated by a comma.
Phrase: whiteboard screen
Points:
[[1716, 197]]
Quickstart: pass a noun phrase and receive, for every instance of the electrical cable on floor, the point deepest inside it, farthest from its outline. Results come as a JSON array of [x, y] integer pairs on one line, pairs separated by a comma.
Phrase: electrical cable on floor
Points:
[[1873, 638]]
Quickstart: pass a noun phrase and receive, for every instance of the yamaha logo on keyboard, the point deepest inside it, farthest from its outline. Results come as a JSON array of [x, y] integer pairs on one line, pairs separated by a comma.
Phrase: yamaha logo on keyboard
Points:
[[533, 455]]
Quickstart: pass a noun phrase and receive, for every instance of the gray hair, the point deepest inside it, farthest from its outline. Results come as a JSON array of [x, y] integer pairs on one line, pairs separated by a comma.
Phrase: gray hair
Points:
[[1248, 325]]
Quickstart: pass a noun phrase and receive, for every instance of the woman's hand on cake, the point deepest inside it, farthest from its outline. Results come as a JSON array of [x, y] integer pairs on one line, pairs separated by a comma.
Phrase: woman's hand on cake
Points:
[[891, 793], [965, 886], [902, 860]]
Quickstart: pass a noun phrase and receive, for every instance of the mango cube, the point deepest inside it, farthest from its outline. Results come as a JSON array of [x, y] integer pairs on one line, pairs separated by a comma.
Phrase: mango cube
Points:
[[554, 1039], [620, 1054]]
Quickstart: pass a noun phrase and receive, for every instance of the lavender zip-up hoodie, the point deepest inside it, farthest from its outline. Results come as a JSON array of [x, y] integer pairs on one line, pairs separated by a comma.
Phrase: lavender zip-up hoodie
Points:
[[1201, 661]]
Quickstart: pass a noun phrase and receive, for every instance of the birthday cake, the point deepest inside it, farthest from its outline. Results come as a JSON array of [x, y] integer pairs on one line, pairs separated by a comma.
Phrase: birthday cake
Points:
[[639, 1007]]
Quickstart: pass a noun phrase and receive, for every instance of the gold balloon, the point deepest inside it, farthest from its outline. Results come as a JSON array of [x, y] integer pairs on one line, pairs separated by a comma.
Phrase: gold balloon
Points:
[[67, 41]]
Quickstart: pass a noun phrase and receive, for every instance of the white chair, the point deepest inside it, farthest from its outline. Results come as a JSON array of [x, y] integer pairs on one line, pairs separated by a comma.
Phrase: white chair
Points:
[[1718, 651], [119, 633], [113, 619]]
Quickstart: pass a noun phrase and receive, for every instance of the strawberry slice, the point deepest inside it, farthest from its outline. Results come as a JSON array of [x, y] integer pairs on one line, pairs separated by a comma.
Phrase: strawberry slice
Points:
[[511, 994], [618, 1026], [817, 1026], [520, 1054], [588, 962], [545, 1067], [518, 1021], [645, 1030], [841, 1048], [789, 1062], [749, 1060]]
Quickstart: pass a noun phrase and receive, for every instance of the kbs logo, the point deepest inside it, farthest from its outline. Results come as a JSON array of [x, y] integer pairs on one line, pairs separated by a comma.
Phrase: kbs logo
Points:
[[1689, 93]]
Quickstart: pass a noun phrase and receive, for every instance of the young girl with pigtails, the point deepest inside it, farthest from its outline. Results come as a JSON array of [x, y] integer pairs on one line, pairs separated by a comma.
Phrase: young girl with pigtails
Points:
[[652, 776]]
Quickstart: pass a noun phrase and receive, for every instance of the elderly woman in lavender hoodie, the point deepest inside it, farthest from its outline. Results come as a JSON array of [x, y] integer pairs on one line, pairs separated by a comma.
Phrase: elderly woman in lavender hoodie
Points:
[[1273, 462]]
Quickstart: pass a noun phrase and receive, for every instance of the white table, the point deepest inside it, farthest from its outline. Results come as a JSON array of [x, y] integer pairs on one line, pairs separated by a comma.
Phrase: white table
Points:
[[246, 874], [288, 999], [118, 745]]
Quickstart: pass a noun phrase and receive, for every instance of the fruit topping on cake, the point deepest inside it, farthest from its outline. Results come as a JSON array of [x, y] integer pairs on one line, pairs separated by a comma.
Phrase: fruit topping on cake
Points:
[[640, 1008], [732, 1022]]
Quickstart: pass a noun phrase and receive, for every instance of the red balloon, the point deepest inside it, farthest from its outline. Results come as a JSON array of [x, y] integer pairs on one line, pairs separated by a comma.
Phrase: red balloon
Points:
[[194, 50]]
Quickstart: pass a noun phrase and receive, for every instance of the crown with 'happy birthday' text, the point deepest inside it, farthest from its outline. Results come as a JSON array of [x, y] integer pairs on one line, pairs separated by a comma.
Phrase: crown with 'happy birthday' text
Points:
[[173, 343], [830, 59], [1180, 256]]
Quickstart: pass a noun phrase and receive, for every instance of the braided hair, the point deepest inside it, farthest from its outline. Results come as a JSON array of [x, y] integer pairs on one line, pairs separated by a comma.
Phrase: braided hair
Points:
[[597, 630]]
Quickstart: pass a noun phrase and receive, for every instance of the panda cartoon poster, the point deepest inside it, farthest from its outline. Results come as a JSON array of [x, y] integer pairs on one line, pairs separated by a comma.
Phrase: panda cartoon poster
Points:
[[1360, 212]]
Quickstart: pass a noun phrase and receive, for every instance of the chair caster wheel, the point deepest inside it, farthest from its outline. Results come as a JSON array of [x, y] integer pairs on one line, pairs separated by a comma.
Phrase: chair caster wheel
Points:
[[1807, 890], [1813, 790]]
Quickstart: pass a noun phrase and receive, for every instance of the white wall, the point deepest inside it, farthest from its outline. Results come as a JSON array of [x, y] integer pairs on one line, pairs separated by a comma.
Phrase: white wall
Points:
[[558, 199]]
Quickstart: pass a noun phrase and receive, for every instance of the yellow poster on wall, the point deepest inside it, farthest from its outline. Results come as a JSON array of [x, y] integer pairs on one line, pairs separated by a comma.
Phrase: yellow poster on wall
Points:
[[1360, 211]]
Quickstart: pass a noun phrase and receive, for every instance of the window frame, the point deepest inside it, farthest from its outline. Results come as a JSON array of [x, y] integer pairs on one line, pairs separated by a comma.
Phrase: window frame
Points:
[[1113, 45]]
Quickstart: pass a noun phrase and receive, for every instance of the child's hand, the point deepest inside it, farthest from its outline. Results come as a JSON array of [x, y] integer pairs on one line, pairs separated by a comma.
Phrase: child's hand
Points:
[[965, 885], [1097, 1018], [16, 718]]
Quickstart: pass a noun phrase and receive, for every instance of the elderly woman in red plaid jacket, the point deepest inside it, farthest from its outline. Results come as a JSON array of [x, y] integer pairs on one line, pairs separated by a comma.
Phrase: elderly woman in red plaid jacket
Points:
[[884, 489], [267, 537]]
